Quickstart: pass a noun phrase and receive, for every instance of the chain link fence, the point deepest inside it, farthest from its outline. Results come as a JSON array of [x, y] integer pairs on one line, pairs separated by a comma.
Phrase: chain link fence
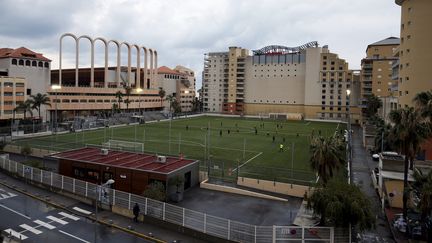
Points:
[[201, 222]]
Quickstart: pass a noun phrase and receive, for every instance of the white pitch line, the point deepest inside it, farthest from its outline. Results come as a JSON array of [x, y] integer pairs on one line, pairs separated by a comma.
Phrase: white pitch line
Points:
[[31, 229], [73, 236], [81, 210], [25, 216], [69, 216], [249, 160]]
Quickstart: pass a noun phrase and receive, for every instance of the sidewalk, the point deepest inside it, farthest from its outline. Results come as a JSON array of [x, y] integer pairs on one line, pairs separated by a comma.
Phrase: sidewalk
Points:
[[144, 230], [362, 167]]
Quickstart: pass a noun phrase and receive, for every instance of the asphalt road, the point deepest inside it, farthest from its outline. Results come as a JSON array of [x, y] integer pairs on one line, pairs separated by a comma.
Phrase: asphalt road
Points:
[[35, 221]]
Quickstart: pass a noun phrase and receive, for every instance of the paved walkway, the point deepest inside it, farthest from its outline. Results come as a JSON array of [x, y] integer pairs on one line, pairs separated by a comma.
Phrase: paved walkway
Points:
[[362, 167], [118, 221]]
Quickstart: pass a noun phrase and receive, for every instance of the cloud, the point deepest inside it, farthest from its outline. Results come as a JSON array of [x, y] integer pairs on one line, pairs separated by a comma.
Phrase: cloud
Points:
[[182, 31]]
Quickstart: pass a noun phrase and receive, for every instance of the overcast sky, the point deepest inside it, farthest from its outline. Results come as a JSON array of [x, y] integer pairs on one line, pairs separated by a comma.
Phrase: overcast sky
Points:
[[182, 31]]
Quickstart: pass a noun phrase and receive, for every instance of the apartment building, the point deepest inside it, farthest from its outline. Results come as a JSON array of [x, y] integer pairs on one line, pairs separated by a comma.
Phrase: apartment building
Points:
[[415, 51], [307, 80], [22, 73], [86, 97], [180, 83], [377, 75]]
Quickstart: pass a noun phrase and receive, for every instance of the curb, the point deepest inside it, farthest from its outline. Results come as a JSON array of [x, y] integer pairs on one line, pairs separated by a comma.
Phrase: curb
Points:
[[86, 216]]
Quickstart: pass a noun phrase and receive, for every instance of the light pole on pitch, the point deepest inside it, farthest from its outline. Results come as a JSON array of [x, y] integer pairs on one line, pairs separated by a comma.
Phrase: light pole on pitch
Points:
[[55, 87]]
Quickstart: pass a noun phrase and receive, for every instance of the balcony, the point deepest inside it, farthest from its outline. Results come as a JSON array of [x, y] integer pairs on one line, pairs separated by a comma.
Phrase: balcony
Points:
[[367, 66]]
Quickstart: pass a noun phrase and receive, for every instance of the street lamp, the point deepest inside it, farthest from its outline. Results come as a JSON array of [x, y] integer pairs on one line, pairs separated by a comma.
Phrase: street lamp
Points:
[[348, 92], [97, 199], [139, 91], [56, 87]]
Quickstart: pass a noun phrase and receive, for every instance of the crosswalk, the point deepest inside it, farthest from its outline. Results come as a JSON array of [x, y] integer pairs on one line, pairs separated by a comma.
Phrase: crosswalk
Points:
[[24, 231], [4, 194]]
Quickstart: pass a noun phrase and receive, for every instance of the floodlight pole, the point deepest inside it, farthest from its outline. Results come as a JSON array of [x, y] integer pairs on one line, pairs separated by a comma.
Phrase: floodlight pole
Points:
[[97, 199]]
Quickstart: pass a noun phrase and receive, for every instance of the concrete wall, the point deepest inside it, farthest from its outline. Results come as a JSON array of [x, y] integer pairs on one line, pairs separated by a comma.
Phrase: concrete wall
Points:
[[276, 187]]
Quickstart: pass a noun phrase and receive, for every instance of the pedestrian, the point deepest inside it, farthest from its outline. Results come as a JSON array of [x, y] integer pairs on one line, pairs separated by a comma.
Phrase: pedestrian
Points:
[[280, 147], [298, 135], [283, 139], [268, 134], [136, 211], [229, 131], [273, 138], [256, 131], [187, 127], [220, 133], [221, 123], [277, 125]]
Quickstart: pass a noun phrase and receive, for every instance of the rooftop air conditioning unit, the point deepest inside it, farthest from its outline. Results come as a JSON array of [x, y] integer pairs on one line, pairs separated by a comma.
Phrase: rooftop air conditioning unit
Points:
[[161, 159], [104, 151]]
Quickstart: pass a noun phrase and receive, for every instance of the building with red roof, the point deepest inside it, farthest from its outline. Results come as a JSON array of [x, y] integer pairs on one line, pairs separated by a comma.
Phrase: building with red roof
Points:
[[131, 171]]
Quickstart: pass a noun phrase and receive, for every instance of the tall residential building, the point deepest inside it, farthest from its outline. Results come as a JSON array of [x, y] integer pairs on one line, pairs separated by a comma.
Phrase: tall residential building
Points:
[[415, 51], [308, 80], [377, 74], [22, 73], [180, 83]]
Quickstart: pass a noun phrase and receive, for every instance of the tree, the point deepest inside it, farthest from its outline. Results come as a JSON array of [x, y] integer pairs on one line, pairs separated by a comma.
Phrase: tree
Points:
[[422, 187], [119, 96], [26, 150], [176, 107], [423, 103], [382, 136], [327, 155], [38, 100], [170, 98], [408, 132], [128, 91], [156, 191], [196, 105], [373, 103], [26, 106], [161, 94], [341, 204]]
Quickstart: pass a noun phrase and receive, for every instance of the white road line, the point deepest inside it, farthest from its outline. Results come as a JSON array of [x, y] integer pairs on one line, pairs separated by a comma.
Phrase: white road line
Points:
[[249, 160], [73, 236], [60, 221], [46, 225], [15, 234], [81, 210], [31, 229], [2, 196], [25, 216], [69, 216]]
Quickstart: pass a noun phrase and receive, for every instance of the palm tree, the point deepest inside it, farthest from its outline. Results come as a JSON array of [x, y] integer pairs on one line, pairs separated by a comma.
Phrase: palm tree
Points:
[[423, 102], [161, 94], [26, 106], [128, 91], [408, 132], [119, 96], [327, 156], [170, 98], [422, 187], [38, 100]]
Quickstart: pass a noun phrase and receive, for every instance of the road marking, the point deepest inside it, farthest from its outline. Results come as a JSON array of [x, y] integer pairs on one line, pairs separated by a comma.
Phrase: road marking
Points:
[[73, 236], [46, 225], [15, 234], [25, 216], [69, 216], [249, 160], [6, 195], [60, 221], [81, 210], [31, 229]]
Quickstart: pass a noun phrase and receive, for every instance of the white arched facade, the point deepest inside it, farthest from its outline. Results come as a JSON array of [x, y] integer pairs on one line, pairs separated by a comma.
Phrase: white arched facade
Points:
[[149, 69]]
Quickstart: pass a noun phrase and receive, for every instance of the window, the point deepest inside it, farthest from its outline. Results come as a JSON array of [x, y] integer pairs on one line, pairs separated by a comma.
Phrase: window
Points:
[[19, 93], [8, 94], [8, 84], [40, 64], [19, 85], [14, 62], [34, 64], [21, 62], [27, 63]]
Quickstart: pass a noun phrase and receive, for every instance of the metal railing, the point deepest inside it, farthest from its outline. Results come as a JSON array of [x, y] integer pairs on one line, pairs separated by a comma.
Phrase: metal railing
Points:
[[201, 222]]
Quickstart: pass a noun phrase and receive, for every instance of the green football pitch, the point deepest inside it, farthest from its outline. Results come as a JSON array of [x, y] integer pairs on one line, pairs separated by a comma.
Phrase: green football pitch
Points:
[[226, 146]]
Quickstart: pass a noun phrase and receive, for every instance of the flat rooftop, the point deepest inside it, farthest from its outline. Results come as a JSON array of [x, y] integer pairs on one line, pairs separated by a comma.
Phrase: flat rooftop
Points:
[[125, 159]]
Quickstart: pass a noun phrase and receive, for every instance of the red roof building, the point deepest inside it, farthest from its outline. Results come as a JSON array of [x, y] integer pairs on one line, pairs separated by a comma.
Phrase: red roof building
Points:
[[22, 52], [131, 171]]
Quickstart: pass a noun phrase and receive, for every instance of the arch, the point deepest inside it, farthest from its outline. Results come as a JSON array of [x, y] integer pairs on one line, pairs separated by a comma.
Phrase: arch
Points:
[[34, 64], [129, 69], [46, 64], [138, 64], [145, 66], [106, 58], [118, 61], [91, 56], [21, 62], [27, 63], [14, 62], [76, 57], [151, 67], [40, 64], [156, 64]]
